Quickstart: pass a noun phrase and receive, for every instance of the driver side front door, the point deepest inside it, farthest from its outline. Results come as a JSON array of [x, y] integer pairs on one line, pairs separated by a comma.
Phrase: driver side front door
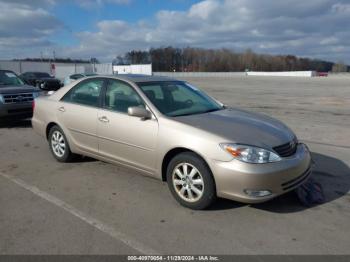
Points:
[[122, 138]]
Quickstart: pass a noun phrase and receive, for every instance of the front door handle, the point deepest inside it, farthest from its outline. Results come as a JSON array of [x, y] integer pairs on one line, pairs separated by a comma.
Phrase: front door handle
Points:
[[62, 109], [103, 119]]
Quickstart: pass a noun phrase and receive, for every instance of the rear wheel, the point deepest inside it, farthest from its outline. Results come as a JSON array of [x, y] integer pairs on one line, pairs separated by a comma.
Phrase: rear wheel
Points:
[[59, 145], [190, 181]]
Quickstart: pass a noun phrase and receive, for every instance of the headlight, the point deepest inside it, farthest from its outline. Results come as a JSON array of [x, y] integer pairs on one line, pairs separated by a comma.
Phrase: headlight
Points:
[[250, 154], [2, 99]]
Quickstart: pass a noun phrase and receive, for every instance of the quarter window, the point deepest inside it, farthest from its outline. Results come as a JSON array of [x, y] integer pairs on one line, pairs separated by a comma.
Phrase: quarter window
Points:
[[85, 93], [120, 96]]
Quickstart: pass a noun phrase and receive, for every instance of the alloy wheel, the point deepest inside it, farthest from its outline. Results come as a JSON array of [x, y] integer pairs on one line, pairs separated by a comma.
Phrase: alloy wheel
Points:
[[58, 143], [188, 182]]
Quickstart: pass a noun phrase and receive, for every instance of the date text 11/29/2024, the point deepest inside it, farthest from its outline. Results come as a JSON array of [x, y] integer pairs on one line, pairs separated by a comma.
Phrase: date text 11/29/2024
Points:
[[173, 258]]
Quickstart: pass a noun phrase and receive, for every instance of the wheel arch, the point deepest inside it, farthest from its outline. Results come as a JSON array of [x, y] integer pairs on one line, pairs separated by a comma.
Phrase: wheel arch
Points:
[[48, 128], [174, 152]]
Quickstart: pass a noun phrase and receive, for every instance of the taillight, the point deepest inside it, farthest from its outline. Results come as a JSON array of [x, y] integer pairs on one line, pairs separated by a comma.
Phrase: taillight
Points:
[[33, 104]]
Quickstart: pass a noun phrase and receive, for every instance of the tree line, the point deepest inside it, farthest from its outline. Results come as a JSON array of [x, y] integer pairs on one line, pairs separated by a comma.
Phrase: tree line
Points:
[[60, 60], [169, 59]]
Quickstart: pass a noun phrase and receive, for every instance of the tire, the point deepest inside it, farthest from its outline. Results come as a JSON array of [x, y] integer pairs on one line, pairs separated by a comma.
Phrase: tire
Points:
[[59, 146], [190, 181]]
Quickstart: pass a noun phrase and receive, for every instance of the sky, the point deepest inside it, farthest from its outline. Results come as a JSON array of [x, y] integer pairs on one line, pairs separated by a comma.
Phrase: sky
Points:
[[104, 29]]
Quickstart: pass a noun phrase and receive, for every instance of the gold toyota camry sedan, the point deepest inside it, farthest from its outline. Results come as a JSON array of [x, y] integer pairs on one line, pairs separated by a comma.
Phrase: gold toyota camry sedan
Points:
[[173, 131]]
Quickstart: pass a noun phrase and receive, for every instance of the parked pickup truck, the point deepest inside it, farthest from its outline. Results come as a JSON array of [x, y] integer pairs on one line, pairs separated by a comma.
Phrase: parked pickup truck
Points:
[[16, 97]]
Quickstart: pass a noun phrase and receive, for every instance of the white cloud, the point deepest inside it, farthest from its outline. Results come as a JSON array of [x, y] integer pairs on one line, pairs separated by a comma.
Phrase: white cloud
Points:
[[97, 3], [24, 28], [329, 41], [310, 28], [315, 28], [30, 3], [341, 8], [204, 9]]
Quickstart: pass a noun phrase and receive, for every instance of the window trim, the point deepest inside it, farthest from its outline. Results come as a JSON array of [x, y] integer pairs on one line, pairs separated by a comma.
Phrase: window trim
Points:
[[99, 105], [104, 92]]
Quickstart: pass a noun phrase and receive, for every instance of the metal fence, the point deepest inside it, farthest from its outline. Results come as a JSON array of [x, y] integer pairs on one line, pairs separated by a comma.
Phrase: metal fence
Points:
[[103, 69], [345, 74], [62, 70], [199, 74], [59, 70], [235, 74]]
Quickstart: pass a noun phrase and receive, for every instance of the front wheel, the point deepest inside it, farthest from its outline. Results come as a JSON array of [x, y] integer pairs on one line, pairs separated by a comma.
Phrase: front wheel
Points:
[[190, 181], [59, 145]]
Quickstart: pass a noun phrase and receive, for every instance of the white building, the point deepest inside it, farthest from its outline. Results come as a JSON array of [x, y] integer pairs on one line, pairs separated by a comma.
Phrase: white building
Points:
[[287, 73], [144, 69]]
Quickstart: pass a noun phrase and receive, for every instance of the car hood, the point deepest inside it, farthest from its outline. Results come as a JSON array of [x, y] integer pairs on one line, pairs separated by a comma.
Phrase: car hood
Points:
[[18, 89], [239, 126]]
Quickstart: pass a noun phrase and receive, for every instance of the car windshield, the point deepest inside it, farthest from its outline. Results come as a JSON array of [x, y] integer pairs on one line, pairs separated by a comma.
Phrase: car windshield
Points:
[[42, 75], [8, 78], [176, 98]]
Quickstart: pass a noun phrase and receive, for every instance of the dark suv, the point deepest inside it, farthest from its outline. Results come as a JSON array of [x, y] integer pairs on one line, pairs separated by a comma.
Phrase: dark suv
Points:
[[42, 80], [16, 97]]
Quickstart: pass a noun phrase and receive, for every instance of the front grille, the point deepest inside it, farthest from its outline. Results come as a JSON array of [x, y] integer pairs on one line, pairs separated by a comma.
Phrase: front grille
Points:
[[20, 110], [287, 149], [18, 98], [296, 181]]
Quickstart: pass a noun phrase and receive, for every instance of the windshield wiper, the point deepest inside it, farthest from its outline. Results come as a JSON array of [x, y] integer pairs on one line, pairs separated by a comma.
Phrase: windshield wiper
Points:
[[201, 112], [212, 110], [187, 114]]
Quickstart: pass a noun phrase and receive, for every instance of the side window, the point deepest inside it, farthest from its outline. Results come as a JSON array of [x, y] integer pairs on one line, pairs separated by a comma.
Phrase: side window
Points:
[[85, 93], [120, 96]]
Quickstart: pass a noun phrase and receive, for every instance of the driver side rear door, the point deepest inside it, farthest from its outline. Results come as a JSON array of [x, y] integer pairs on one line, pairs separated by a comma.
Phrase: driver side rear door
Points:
[[77, 114]]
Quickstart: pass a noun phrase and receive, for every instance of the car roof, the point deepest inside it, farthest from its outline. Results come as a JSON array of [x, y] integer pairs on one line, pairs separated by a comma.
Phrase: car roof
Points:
[[5, 70], [137, 78], [36, 72]]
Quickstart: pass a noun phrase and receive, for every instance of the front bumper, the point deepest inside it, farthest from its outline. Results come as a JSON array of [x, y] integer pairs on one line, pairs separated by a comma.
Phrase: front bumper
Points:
[[16, 110], [233, 178]]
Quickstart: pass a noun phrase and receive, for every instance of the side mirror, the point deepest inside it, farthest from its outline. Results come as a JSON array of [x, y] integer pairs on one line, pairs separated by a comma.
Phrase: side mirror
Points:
[[139, 112]]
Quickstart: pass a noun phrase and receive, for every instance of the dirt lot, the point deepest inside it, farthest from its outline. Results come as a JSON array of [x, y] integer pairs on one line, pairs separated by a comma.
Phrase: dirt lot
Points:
[[90, 207]]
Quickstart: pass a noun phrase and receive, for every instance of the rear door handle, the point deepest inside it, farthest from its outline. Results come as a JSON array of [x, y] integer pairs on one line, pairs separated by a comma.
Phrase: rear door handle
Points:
[[103, 119], [62, 109]]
